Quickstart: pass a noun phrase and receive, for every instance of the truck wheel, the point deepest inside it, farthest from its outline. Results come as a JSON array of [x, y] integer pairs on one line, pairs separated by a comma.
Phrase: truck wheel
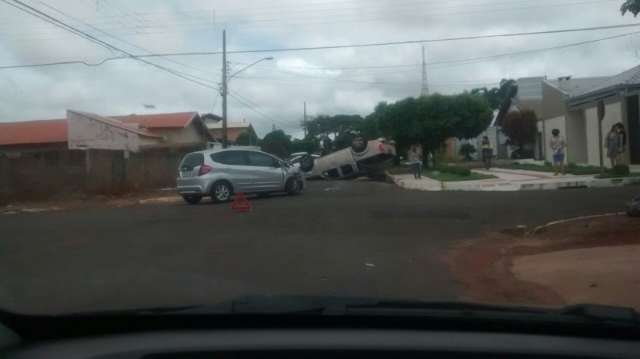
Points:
[[192, 199], [294, 187]]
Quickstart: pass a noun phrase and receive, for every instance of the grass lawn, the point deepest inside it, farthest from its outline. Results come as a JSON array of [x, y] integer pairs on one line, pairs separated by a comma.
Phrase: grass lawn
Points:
[[572, 169], [451, 177]]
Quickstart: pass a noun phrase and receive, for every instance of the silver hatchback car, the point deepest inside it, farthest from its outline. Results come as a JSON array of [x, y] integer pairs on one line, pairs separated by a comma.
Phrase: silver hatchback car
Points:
[[218, 173]]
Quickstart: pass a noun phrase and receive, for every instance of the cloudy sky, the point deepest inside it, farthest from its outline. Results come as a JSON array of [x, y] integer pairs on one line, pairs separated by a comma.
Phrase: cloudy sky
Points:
[[346, 80]]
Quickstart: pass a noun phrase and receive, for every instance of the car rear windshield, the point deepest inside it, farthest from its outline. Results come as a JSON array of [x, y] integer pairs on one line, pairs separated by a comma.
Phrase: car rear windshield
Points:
[[191, 161], [237, 158]]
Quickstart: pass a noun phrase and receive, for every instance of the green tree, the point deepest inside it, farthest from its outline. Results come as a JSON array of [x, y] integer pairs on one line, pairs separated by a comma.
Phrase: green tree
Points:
[[332, 126], [632, 6], [327, 145], [496, 95], [369, 127], [343, 140], [521, 127], [277, 143], [429, 120], [308, 144], [247, 138]]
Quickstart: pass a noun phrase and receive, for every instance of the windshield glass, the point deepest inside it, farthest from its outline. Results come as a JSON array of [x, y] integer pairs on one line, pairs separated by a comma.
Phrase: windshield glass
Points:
[[181, 153]]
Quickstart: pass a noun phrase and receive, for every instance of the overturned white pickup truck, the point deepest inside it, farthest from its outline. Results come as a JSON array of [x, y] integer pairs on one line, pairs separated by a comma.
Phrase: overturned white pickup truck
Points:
[[363, 158]]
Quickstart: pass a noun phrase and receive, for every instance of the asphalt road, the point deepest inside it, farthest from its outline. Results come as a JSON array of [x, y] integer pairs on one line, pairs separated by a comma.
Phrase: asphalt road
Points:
[[339, 238]]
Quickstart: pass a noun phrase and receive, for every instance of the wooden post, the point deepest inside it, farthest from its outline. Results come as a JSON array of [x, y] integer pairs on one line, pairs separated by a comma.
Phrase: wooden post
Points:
[[601, 113], [87, 162]]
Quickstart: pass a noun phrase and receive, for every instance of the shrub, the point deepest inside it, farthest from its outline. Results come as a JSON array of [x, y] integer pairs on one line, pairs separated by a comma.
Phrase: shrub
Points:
[[620, 170], [456, 170], [521, 153], [584, 170]]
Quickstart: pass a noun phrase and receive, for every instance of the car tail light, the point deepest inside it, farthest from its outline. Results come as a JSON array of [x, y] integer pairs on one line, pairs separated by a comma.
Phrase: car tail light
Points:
[[381, 148], [204, 169]]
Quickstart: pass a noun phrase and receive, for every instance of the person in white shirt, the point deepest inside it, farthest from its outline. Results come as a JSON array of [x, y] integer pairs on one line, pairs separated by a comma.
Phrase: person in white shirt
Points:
[[558, 145]]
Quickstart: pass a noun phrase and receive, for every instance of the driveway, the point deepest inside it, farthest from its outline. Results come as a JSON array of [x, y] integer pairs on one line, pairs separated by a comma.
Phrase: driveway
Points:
[[355, 238]]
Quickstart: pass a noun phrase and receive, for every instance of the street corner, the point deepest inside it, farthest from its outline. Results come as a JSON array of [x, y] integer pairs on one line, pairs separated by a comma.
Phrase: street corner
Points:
[[592, 259], [482, 269]]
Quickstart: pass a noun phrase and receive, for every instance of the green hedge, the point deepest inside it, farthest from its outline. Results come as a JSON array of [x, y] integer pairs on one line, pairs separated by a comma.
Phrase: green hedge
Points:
[[620, 170], [456, 170], [582, 170]]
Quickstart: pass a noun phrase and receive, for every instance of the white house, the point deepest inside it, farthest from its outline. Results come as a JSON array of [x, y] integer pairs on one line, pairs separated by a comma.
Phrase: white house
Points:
[[570, 105]]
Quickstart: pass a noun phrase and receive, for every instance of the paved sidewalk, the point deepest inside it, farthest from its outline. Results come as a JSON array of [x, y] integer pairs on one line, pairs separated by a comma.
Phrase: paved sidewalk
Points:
[[512, 180], [423, 184]]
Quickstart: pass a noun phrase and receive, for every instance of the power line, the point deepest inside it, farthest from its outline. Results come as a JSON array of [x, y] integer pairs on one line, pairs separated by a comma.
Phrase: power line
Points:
[[252, 106], [358, 17], [382, 83], [298, 20], [115, 37], [470, 59], [392, 43], [444, 62], [452, 61], [446, 39], [58, 23], [222, 14], [524, 52]]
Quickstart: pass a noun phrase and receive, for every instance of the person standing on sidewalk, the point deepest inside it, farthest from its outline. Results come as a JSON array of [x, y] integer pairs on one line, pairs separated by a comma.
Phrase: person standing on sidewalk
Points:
[[420, 159], [487, 152], [558, 145], [613, 143], [623, 144], [415, 161]]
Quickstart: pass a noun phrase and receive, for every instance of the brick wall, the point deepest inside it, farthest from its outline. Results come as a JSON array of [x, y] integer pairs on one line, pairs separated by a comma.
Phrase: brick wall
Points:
[[52, 172]]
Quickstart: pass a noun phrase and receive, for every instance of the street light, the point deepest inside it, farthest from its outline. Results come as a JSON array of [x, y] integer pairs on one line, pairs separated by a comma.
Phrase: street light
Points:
[[251, 64], [225, 80]]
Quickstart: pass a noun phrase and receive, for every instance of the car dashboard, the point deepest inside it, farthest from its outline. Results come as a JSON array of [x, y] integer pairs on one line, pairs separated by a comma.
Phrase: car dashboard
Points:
[[326, 343]]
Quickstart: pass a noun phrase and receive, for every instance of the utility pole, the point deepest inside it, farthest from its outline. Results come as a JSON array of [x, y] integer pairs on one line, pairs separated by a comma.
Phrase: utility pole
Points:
[[425, 81], [225, 142], [304, 121], [601, 113]]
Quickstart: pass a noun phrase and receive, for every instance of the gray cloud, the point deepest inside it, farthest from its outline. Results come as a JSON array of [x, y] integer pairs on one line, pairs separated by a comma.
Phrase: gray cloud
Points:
[[277, 89]]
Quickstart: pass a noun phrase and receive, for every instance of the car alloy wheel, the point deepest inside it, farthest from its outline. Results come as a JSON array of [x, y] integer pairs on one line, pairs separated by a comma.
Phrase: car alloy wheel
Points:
[[222, 192]]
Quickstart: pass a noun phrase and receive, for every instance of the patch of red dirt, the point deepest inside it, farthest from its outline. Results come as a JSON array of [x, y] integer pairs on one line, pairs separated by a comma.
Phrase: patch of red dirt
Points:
[[483, 266]]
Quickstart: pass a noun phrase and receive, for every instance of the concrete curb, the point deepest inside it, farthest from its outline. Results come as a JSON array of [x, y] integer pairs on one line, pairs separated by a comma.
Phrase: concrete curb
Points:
[[417, 186], [505, 185], [614, 182], [489, 186], [569, 220], [554, 185]]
